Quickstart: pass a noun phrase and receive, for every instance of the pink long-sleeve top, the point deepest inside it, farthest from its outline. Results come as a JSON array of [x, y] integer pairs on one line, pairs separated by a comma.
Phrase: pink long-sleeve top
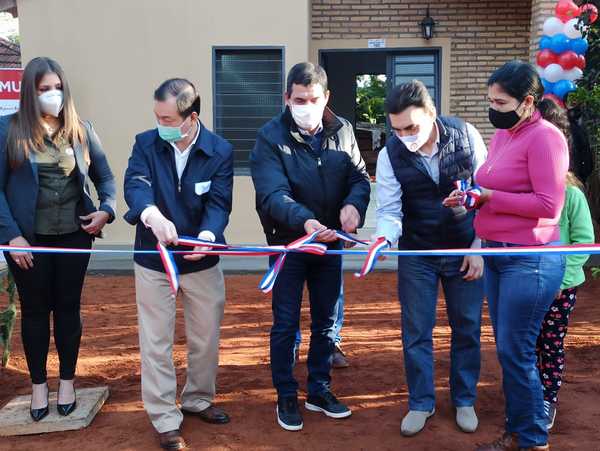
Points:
[[526, 169]]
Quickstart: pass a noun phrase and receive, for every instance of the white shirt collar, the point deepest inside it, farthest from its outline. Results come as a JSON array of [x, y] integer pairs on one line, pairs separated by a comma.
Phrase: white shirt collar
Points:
[[182, 156], [188, 148]]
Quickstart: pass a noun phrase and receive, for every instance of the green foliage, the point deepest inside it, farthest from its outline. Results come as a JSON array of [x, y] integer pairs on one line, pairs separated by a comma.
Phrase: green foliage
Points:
[[370, 95], [15, 39], [587, 98], [8, 316], [587, 95]]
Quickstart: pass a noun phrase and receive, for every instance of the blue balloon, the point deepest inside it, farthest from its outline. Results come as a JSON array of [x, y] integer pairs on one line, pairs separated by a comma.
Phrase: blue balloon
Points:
[[545, 42], [563, 87], [548, 86], [579, 46], [560, 43]]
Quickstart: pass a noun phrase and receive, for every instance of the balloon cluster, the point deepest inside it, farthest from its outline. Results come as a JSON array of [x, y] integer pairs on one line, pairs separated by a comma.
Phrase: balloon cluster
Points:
[[561, 58]]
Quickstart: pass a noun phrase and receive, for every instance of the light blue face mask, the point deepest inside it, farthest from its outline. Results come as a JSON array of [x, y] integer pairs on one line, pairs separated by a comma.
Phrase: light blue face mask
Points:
[[171, 134]]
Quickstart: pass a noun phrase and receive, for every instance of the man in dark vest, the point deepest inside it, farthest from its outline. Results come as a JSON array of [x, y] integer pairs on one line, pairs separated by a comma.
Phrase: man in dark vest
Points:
[[415, 172]]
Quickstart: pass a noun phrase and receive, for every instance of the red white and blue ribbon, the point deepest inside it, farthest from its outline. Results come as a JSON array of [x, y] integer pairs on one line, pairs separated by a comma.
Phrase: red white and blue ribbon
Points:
[[373, 253], [471, 195], [268, 281], [306, 245], [170, 267]]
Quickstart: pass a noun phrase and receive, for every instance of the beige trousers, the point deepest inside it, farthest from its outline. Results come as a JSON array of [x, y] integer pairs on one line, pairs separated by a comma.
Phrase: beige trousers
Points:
[[203, 294]]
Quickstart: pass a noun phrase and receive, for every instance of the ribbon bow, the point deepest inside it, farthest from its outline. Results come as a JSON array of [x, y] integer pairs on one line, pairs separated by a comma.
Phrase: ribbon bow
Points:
[[471, 195], [305, 244]]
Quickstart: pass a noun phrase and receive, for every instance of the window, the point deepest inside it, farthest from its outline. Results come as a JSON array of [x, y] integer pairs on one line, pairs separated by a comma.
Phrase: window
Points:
[[248, 92], [420, 66]]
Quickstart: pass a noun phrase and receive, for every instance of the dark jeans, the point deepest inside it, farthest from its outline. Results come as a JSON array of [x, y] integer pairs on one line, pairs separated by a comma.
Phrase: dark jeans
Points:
[[418, 282], [54, 285], [339, 321], [322, 275], [520, 290]]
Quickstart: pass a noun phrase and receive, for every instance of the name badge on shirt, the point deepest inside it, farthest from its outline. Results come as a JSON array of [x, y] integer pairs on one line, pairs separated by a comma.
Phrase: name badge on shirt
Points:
[[202, 187]]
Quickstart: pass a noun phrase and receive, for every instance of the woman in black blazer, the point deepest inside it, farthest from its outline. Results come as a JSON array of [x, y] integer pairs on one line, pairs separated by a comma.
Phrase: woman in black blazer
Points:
[[48, 156]]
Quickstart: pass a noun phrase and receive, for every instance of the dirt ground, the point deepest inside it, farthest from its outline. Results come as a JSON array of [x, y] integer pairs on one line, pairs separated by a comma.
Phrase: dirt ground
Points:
[[374, 385]]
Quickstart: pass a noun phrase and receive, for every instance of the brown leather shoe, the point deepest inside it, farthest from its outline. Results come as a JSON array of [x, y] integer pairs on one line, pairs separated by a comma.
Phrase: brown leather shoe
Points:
[[211, 414], [172, 440], [339, 358], [508, 442]]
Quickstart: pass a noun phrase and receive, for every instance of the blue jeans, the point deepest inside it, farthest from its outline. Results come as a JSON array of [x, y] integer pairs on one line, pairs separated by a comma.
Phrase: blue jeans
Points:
[[322, 275], [418, 279], [520, 290], [339, 321]]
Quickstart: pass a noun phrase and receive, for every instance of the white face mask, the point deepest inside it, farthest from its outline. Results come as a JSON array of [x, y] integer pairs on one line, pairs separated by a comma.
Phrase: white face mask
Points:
[[415, 142], [51, 102], [307, 116]]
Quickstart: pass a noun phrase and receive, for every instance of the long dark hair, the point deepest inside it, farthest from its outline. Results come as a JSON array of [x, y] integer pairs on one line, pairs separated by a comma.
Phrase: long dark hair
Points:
[[26, 131], [555, 115], [558, 117], [519, 80]]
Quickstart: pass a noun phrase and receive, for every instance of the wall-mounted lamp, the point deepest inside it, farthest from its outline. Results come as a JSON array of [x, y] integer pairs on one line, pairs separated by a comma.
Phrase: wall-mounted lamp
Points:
[[427, 25]]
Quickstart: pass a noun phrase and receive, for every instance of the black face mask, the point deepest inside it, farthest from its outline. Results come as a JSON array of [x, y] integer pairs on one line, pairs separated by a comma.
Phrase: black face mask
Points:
[[504, 120]]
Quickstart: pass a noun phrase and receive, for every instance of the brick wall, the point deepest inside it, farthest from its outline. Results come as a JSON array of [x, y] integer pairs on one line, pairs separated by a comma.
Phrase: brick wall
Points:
[[540, 11], [484, 34]]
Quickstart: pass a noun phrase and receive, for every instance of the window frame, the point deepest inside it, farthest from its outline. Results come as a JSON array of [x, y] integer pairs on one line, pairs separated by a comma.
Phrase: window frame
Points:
[[239, 169], [437, 76]]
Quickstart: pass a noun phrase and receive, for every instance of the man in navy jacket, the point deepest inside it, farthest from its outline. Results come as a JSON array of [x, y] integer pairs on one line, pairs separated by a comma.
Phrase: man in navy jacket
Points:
[[179, 182], [309, 176]]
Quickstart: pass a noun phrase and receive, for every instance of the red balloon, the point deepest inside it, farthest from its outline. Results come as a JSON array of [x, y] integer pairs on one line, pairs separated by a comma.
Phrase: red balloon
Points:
[[566, 10], [546, 57], [555, 99], [580, 62], [593, 11], [568, 60]]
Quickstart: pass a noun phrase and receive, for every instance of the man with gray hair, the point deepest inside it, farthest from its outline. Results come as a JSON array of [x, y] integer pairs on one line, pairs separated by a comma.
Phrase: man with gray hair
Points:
[[179, 182]]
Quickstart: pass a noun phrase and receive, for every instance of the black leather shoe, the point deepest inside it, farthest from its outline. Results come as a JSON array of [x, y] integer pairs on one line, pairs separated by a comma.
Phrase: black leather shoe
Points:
[[67, 409], [212, 414], [172, 440], [39, 414]]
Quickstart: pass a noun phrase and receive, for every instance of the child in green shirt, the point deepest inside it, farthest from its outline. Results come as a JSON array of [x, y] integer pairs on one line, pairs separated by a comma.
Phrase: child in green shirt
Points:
[[576, 227]]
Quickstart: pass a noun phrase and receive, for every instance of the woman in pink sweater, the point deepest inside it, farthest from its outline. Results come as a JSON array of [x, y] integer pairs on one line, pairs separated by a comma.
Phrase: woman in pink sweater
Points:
[[523, 184]]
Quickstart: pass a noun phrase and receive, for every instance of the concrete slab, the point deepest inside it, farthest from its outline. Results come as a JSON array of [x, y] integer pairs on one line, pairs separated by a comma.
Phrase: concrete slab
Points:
[[15, 418]]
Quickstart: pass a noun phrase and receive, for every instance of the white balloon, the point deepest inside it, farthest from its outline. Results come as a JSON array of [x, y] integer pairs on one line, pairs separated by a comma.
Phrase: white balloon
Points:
[[571, 30], [540, 70], [574, 74], [552, 26], [554, 72]]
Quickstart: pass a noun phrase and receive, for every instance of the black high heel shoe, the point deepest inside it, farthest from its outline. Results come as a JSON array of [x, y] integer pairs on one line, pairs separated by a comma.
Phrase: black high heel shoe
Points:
[[67, 409], [39, 414]]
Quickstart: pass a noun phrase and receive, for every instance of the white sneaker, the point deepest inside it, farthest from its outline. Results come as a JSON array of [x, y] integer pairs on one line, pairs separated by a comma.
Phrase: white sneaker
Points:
[[466, 419], [414, 422]]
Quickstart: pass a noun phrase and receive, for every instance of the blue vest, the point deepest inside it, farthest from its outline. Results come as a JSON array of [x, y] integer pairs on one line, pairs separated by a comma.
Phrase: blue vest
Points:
[[426, 223]]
